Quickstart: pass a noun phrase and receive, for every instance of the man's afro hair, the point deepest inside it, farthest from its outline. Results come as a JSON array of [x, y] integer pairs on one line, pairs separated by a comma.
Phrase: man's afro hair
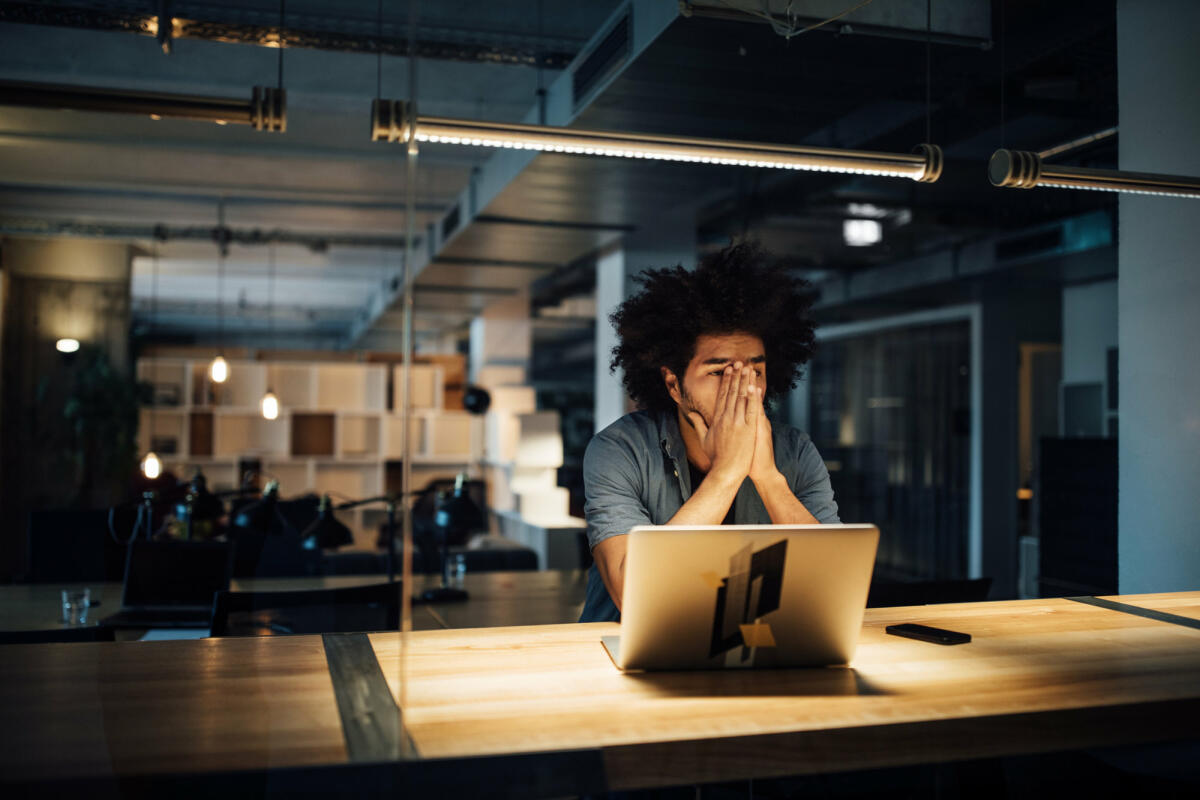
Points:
[[737, 289]]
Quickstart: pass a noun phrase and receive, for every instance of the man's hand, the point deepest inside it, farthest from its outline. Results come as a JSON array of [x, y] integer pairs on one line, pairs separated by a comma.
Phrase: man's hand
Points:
[[762, 468], [730, 442]]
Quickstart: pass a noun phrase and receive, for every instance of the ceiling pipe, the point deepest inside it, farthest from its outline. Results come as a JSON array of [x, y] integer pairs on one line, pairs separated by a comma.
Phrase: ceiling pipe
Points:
[[340, 34], [163, 233]]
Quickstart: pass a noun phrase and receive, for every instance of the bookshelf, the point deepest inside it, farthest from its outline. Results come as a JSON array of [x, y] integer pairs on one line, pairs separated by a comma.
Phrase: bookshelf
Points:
[[338, 430]]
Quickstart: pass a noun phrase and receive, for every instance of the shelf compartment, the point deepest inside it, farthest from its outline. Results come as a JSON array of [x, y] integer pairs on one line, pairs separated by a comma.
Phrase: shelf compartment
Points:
[[163, 431], [393, 435], [450, 434], [240, 434], [312, 434], [426, 387], [358, 436], [295, 477], [200, 434], [351, 387], [293, 384], [168, 381]]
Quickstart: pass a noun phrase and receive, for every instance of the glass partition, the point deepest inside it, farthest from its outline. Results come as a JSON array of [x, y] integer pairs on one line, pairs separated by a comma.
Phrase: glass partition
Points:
[[890, 413]]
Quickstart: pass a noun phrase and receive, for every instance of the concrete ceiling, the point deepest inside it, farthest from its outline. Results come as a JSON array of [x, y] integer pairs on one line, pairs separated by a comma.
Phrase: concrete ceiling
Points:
[[717, 71]]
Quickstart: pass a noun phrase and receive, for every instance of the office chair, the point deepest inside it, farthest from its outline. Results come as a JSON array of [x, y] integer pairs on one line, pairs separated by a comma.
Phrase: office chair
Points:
[[354, 608]]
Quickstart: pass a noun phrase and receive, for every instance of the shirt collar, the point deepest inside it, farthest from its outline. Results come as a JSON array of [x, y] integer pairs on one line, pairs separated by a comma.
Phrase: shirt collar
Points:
[[670, 437]]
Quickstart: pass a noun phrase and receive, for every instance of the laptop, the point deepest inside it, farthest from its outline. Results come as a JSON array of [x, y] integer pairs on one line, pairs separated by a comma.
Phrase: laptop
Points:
[[741, 596], [171, 584]]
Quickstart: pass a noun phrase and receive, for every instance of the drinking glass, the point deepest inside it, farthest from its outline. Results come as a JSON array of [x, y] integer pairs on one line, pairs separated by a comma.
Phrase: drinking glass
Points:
[[75, 604]]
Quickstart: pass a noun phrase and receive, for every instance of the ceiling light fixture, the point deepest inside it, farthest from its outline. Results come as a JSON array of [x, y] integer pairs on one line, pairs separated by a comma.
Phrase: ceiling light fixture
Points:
[[265, 111], [390, 122], [67, 345], [1020, 169], [862, 232]]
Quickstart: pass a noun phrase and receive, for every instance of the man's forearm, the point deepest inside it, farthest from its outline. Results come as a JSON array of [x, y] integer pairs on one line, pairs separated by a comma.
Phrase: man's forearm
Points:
[[710, 502], [782, 506]]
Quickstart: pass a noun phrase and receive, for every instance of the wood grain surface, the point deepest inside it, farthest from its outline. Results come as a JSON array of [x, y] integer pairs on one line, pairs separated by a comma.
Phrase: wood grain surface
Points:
[[132, 708], [1038, 675]]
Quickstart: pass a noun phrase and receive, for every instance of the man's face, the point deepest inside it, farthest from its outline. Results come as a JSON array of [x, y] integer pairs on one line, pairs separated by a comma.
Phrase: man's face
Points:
[[697, 390]]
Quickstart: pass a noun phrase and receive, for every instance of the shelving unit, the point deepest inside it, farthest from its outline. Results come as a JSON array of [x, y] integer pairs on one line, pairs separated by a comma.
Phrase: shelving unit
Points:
[[338, 430]]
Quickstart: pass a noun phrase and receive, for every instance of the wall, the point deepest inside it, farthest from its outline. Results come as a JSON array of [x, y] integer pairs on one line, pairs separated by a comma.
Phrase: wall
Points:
[[1159, 300], [1089, 330]]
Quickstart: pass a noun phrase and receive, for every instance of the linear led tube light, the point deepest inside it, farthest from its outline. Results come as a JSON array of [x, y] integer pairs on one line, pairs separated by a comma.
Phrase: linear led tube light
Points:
[[390, 122], [1024, 170], [265, 111]]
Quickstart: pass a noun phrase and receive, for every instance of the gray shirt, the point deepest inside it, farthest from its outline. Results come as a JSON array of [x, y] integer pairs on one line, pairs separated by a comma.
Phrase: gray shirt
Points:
[[635, 472]]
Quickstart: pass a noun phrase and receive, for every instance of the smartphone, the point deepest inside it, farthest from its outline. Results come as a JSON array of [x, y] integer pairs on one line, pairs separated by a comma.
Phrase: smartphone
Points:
[[926, 634]]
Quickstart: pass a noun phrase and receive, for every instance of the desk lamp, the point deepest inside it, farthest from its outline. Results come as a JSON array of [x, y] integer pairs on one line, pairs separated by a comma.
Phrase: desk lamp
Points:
[[326, 531], [456, 516], [260, 515]]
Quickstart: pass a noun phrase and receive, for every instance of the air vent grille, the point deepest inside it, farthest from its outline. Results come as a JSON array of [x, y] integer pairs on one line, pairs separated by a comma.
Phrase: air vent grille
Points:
[[450, 222], [607, 56]]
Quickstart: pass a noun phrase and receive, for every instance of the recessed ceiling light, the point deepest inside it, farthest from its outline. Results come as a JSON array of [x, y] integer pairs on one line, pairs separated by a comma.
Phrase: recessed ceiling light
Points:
[[861, 232]]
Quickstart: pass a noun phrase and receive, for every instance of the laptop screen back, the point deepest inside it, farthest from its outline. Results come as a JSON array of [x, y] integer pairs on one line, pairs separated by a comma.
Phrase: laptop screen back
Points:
[[736, 596], [175, 573]]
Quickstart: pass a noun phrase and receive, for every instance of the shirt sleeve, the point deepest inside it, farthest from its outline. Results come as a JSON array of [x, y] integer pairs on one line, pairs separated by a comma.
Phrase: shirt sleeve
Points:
[[811, 485], [612, 488]]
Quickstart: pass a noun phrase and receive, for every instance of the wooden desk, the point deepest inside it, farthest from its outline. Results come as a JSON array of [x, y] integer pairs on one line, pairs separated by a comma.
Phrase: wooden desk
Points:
[[1040, 676], [497, 598]]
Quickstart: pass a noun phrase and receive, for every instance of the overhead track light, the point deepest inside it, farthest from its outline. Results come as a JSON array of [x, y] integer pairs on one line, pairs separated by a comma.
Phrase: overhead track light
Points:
[[1020, 169], [390, 121], [265, 111]]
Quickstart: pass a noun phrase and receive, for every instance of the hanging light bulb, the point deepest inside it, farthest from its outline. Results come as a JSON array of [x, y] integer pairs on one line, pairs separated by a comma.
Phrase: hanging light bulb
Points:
[[151, 465], [218, 370], [270, 405]]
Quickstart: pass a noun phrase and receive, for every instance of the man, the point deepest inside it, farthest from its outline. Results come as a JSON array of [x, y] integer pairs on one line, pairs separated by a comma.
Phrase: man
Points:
[[702, 352]]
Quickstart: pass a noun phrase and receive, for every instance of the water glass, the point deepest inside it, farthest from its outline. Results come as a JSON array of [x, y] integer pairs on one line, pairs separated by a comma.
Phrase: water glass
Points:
[[75, 604], [458, 568]]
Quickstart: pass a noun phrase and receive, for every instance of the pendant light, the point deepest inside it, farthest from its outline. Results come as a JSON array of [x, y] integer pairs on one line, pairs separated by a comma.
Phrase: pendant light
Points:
[[151, 464], [392, 119], [218, 370], [270, 403], [1024, 170]]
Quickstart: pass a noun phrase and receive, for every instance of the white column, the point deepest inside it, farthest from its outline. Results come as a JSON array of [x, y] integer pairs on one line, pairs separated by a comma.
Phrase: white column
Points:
[[1159, 300], [665, 243]]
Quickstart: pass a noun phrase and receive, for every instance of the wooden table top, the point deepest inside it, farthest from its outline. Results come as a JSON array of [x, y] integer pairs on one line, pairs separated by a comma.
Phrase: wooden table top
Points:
[[497, 598], [1039, 675]]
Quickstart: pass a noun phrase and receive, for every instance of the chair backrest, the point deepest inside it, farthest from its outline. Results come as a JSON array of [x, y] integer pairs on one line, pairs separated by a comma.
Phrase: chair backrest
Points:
[[91, 633], [354, 608]]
